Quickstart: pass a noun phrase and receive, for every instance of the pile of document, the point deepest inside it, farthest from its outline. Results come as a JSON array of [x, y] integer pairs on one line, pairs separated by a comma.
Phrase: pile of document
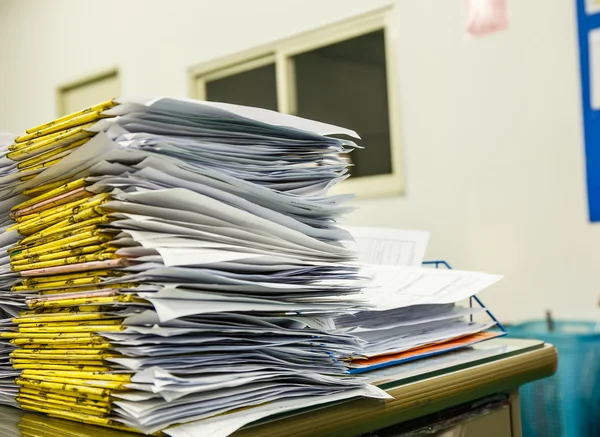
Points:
[[180, 260], [413, 311]]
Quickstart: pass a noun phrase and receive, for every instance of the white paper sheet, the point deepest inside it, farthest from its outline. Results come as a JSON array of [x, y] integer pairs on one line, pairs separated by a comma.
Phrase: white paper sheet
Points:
[[396, 287], [225, 425], [390, 247], [223, 109]]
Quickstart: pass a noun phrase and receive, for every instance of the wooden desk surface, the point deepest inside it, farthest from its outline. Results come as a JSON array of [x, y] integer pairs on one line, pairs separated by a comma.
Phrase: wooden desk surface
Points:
[[508, 364]]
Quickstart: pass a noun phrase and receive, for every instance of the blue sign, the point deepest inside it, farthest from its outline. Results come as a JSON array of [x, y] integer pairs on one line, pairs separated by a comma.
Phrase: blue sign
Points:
[[588, 20]]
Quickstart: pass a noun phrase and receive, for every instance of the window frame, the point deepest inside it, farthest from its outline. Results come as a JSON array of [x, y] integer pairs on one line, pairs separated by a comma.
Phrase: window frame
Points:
[[281, 53], [62, 90]]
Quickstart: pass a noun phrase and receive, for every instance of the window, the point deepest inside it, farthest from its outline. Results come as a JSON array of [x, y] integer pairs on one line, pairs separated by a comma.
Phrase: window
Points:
[[87, 92], [251, 84], [343, 74]]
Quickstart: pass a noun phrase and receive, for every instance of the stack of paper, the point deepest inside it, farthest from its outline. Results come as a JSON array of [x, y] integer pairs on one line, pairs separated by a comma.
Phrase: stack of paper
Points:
[[185, 269], [21, 159], [185, 262], [413, 310]]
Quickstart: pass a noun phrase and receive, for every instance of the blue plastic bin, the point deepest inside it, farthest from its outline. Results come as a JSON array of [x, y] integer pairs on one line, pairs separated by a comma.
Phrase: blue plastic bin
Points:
[[568, 403]]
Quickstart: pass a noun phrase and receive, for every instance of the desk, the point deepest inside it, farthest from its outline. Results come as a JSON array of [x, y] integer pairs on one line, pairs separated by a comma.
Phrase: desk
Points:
[[424, 387], [420, 388]]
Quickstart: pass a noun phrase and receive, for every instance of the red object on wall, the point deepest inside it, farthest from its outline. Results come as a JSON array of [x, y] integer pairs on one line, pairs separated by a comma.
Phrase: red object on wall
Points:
[[486, 16]]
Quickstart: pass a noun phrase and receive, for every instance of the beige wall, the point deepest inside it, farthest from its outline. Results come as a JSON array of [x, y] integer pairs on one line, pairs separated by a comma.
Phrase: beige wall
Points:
[[491, 127]]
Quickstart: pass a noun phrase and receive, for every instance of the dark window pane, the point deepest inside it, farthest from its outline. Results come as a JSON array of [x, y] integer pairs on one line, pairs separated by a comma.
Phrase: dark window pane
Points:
[[346, 84], [254, 87]]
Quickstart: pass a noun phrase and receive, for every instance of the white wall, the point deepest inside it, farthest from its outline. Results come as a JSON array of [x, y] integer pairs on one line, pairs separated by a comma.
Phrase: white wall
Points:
[[491, 127]]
